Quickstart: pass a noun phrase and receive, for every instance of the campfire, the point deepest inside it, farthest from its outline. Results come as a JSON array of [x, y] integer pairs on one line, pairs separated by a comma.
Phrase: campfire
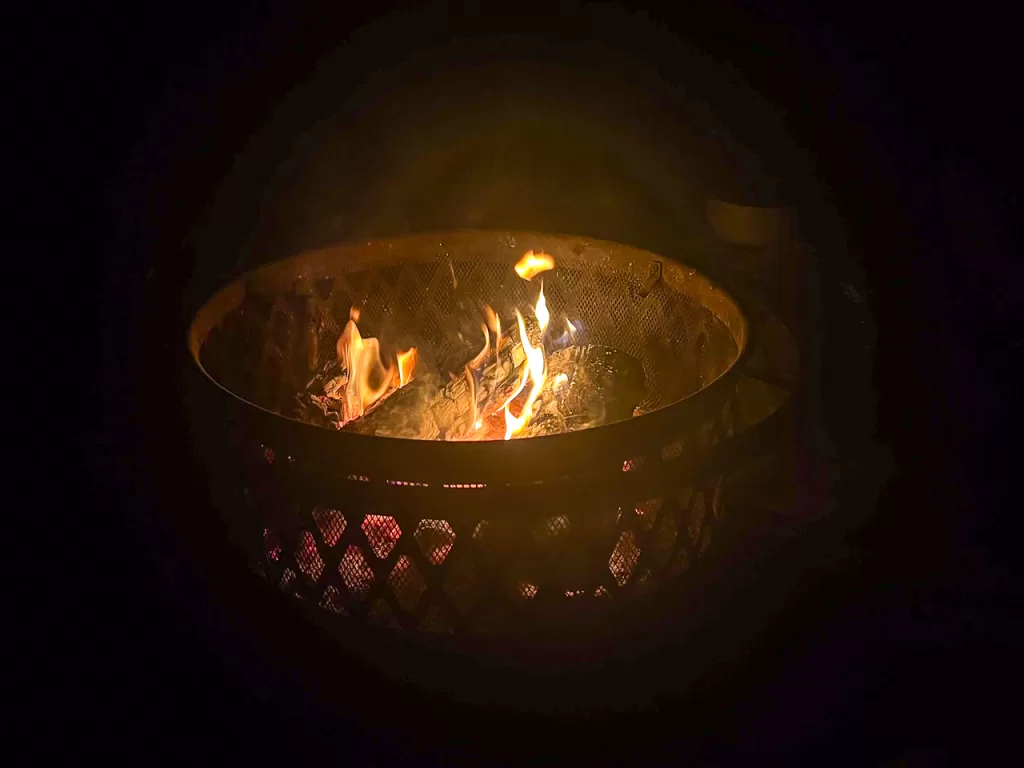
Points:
[[372, 411], [523, 383]]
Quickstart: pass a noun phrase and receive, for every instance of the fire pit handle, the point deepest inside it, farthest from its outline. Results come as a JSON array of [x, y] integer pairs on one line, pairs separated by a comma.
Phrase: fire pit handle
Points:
[[653, 276]]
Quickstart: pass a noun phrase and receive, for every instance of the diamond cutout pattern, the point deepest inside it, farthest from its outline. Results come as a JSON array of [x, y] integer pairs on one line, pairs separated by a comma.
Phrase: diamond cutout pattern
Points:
[[407, 583], [435, 539], [271, 545], [355, 571], [476, 584], [331, 523], [551, 528], [624, 557], [526, 590], [382, 532], [308, 558]]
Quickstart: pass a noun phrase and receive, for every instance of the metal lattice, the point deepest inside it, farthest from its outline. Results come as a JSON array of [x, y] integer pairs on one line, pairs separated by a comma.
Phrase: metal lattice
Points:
[[408, 564], [277, 341]]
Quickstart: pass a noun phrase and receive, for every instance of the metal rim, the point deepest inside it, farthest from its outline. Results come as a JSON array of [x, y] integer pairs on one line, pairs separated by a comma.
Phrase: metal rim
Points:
[[547, 457]]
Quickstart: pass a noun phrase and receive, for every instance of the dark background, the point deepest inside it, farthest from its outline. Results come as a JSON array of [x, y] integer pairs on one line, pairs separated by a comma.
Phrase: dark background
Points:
[[903, 653]]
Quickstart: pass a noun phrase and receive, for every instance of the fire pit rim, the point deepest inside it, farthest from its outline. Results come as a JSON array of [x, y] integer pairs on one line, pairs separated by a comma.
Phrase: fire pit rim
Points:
[[549, 455]]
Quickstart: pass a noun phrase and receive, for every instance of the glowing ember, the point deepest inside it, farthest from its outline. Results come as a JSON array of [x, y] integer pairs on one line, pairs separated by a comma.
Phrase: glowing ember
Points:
[[532, 264]]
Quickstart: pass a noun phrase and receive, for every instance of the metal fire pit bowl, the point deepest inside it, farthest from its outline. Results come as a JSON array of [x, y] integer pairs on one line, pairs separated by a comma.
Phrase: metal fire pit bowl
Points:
[[547, 540]]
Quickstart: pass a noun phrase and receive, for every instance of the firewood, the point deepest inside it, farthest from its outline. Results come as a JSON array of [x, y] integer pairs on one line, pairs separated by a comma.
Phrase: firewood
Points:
[[402, 412], [453, 408], [601, 385]]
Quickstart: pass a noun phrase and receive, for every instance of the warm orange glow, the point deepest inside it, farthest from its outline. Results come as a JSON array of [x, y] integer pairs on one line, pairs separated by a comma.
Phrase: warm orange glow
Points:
[[536, 361], [494, 323], [406, 365], [368, 378], [536, 366], [477, 361], [471, 384], [560, 381], [541, 310], [532, 264]]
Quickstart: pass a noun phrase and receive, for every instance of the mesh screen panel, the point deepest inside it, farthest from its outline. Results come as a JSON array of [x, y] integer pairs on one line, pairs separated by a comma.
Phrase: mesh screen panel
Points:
[[352, 548], [269, 346]]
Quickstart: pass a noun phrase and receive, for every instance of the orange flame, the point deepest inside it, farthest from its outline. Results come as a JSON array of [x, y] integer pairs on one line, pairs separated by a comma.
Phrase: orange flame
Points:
[[494, 323], [407, 365], [536, 365], [479, 359], [368, 378], [532, 264], [541, 310]]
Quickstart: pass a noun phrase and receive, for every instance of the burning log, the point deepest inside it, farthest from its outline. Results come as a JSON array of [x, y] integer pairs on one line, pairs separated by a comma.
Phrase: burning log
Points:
[[463, 400], [586, 386], [404, 412], [421, 411]]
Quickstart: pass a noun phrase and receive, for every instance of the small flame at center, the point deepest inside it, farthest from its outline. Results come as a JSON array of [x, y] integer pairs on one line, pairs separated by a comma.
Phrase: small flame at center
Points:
[[541, 310]]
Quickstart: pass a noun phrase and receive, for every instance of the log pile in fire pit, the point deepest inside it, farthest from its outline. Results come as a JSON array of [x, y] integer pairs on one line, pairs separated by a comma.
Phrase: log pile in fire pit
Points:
[[572, 388]]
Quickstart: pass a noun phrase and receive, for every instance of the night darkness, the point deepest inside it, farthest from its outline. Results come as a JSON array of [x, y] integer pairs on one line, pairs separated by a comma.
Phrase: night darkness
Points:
[[901, 651]]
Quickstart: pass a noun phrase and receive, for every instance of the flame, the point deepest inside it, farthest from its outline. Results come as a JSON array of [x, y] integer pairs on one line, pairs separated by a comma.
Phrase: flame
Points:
[[570, 328], [532, 264], [494, 323], [529, 266], [479, 359], [560, 381], [536, 365], [541, 310], [368, 378], [406, 365]]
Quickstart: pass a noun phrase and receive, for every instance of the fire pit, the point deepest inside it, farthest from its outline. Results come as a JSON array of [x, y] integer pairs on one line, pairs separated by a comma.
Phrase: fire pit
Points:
[[505, 434]]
